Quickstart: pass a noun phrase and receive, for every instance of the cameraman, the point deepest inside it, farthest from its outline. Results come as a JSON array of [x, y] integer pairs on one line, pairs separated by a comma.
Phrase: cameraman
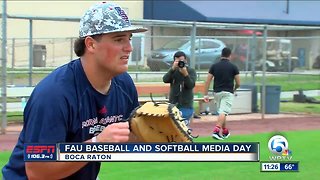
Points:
[[182, 80]]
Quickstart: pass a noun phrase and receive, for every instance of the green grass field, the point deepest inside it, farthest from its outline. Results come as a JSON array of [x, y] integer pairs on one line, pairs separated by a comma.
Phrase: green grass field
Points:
[[291, 107], [303, 144], [288, 82]]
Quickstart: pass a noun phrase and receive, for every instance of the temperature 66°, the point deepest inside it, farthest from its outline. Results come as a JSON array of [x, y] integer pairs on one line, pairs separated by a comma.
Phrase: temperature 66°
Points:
[[288, 166]]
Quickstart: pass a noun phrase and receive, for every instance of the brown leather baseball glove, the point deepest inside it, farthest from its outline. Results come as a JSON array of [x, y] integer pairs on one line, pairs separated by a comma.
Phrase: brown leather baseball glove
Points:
[[159, 122]]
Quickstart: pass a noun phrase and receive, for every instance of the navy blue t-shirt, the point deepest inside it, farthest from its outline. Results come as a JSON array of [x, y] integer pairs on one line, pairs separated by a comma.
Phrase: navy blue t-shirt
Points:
[[64, 107]]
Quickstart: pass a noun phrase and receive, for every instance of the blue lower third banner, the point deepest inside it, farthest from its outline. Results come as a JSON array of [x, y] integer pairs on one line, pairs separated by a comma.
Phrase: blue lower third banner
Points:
[[159, 152], [143, 152]]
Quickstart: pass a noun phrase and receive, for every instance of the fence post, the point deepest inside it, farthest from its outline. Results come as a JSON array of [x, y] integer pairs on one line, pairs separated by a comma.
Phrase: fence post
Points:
[[30, 51], [264, 57], [13, 52], [193, 41], [71, 49], [4, 68], [12, 59]]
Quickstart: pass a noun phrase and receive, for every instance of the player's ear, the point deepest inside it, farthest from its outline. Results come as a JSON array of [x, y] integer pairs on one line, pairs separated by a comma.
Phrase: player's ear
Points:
[[90, 44]]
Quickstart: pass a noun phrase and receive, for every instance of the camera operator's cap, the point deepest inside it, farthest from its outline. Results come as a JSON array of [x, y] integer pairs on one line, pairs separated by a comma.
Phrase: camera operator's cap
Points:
[[103, 18]]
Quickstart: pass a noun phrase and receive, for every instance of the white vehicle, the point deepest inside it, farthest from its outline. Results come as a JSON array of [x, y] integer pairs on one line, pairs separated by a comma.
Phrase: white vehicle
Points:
[[207, 52], [279, 56]]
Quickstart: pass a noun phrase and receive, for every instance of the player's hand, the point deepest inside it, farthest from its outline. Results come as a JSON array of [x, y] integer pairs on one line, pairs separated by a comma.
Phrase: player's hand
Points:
[[184, 71], [235, 93], [175, 64], [206, 98], [116, 132]]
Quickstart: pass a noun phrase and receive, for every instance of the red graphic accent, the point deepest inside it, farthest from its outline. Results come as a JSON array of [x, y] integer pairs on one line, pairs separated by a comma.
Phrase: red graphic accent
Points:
[[103, 110], [39, 149]]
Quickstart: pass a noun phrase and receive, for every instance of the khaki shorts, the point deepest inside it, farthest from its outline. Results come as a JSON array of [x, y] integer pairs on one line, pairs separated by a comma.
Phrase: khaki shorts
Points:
[[223, 102]]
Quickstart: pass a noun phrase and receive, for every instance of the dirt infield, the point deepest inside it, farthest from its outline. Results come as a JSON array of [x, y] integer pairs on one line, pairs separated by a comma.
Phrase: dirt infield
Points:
[[238, 124], [253, 126]]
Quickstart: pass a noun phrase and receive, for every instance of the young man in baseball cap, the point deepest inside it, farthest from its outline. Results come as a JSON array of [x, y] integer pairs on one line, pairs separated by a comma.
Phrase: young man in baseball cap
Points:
[[86, 100]]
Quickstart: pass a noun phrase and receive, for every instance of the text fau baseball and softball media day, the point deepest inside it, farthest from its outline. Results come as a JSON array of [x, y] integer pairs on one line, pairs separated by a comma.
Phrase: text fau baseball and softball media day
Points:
[[142, 152]]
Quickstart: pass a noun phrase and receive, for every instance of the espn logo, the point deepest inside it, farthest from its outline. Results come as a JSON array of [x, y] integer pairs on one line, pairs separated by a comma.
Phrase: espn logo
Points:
[[40, 149]]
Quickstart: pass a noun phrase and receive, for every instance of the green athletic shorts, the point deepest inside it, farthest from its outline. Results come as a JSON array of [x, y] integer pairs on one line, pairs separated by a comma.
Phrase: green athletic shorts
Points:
[[223, 102]]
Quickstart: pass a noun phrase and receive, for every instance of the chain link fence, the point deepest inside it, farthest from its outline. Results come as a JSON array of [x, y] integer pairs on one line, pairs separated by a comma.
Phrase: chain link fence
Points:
[[155, 54], [3, 73], [291, 58], [290, 51], [53, 52]]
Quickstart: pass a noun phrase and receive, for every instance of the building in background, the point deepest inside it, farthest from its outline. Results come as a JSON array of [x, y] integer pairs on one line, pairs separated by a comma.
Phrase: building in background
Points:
[[44, 29], [52, 40], [57, 37]]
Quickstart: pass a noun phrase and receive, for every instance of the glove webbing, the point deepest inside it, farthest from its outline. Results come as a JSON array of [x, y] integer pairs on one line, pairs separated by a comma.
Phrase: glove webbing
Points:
[[173, 117]]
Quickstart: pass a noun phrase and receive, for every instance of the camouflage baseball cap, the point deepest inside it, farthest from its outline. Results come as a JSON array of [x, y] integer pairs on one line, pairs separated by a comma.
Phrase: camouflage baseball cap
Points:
[[103, 18]]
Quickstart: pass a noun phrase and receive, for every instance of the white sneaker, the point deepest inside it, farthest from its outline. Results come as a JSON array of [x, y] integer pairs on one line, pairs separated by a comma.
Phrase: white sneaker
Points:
[[225, 136], [217, 136]]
